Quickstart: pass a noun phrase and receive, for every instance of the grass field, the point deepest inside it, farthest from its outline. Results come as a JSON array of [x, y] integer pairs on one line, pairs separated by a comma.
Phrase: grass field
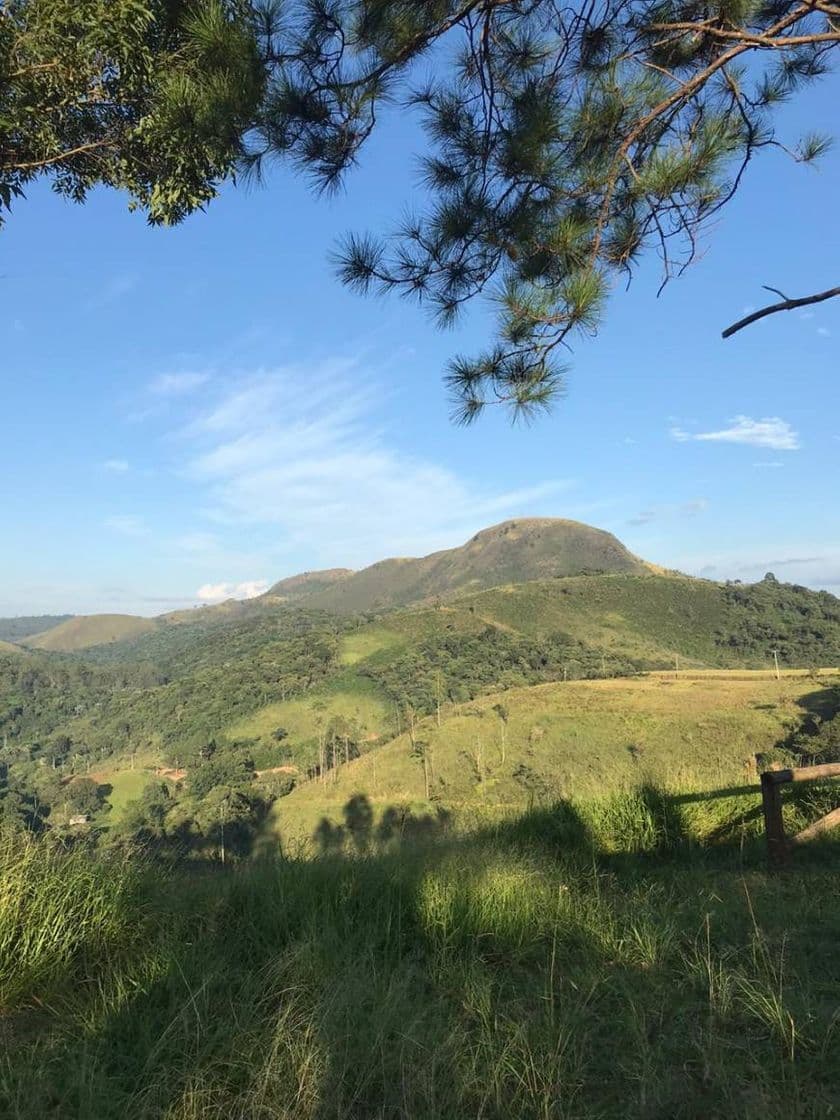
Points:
[[354, 698], [126, 786], [584, 962], [580, 739], [361, 644]]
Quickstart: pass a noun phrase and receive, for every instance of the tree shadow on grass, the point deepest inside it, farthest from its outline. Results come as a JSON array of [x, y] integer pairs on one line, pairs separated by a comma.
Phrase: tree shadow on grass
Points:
[[524, 970]]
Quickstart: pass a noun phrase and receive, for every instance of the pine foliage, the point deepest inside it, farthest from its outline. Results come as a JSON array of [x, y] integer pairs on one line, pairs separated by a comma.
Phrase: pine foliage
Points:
[[563, 141]]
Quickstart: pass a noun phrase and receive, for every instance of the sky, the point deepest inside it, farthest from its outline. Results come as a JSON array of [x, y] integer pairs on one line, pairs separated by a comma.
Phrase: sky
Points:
[[194, 413]]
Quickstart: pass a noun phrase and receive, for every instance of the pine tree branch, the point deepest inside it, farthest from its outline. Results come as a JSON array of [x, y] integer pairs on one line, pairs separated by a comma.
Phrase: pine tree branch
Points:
[[679, 96], [784, 305], [769, 42]]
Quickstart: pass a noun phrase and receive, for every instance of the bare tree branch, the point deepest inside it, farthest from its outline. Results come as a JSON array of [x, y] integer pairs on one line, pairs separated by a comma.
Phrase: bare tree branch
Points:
[[785, 305]]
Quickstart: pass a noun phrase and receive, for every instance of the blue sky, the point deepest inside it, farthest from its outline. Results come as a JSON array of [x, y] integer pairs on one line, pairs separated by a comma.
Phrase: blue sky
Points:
[[197, 412]]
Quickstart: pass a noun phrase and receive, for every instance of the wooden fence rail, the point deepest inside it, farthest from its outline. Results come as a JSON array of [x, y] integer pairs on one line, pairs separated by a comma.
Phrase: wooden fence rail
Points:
[[778, 845]]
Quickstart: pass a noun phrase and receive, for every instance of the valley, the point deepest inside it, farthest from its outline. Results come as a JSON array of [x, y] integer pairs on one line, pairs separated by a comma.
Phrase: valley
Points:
[[558, 681], [437, 849]]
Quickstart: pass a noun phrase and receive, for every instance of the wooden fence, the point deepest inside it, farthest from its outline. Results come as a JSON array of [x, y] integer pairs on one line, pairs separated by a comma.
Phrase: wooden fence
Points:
[[779, 846]]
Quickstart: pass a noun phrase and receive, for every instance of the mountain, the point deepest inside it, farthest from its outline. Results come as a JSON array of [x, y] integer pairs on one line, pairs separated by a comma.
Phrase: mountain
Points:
[[513, 552]]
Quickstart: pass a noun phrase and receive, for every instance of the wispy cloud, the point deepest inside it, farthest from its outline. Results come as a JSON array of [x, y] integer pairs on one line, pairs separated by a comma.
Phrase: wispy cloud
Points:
[[769, 463], [669, 512], [771, 432], [300, 452], [128, 524], [824, 332], [115, 466], [113, 291], [177, 384], [217, 592]]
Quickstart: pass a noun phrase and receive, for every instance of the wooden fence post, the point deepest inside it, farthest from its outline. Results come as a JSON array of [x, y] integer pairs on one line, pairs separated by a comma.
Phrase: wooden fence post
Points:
[[771, 797]]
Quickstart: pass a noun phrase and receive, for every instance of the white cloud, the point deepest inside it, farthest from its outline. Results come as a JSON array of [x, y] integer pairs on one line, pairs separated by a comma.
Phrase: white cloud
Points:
[[824, 331], [116, 466], [771, 432], [177, 384], [299, 451], [217, 592], [769, 463], [127, 524]]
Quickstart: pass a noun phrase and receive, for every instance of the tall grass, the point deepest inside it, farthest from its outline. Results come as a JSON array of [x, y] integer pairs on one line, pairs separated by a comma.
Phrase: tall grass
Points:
[[60, 912], [587, 961]]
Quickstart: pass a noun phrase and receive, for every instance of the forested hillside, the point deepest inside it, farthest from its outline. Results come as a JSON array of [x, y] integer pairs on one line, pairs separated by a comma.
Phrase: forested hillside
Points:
[[244, 705]]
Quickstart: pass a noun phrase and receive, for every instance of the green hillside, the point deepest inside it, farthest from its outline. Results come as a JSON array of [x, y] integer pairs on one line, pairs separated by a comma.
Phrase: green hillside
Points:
[[83, 631], [578, 739], [643, 616], [307, 583]]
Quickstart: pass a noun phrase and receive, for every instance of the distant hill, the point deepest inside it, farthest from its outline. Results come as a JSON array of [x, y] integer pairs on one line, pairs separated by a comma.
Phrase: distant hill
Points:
[[513, 552], [84, 631], [24, 626], [307, 583]]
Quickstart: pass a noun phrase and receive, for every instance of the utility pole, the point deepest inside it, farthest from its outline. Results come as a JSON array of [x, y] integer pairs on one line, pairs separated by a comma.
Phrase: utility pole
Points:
[[775, 653]]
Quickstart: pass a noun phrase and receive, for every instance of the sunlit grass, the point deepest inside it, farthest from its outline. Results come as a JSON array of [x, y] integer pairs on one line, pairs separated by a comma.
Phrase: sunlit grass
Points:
[[591, 960]]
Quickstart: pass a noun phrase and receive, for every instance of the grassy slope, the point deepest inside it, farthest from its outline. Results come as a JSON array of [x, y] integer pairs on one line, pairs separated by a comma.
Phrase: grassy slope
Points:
[[91, 630], [24, 626], [573, 739], [347, 696], [648, 616], [126, 786]]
